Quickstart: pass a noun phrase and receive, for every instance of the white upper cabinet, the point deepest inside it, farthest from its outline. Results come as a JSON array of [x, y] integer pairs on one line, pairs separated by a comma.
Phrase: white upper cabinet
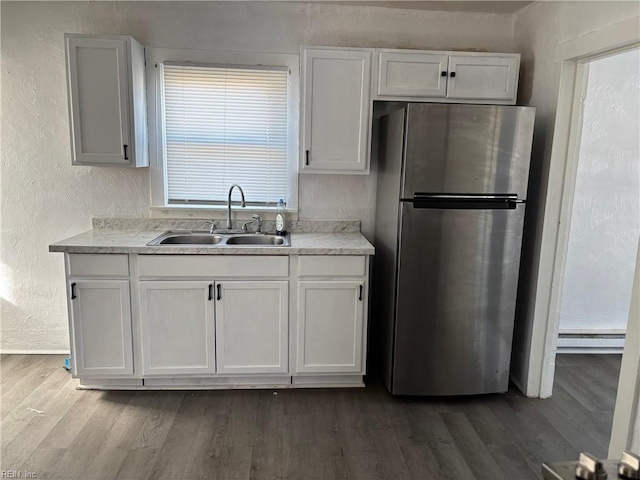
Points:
[[447, 77], [473, 77], [335, 110], [252, 327], [412, 73], [107, 103]]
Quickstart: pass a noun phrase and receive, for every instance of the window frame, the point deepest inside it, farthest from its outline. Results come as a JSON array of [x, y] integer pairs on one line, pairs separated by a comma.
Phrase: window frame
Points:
[[158, 178]]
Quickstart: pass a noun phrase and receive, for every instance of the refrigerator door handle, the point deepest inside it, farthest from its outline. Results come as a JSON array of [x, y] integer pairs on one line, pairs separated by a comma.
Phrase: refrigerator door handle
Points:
[[467, 201]]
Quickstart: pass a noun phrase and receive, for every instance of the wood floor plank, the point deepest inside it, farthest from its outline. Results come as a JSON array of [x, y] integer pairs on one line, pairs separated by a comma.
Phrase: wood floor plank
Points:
[[297, 434], [14, 368], [536, 438], [73, 421], [472, 448], [574, 425], [42, 463], [422, 463], [86, 446], [49, 398], [29, 381], [500, 442], [177, 452], [598, 423], [155, 429], [310, 466], [451, 463], [17, 452], [123, 433], [267, 449], [137, 464]]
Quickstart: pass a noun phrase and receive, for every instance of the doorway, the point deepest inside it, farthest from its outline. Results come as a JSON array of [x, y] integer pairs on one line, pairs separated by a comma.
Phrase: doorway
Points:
[[604, 211]]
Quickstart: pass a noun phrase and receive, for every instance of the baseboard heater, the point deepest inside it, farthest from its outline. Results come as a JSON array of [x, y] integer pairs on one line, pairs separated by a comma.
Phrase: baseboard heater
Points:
[[589, 342]]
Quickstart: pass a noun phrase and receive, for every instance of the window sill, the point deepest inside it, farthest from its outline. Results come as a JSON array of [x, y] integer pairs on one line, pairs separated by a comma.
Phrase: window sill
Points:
[[216, 211]]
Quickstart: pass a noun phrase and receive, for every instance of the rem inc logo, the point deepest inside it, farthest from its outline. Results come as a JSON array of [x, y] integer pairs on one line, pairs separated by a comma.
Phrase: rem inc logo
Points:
[[17, 474]]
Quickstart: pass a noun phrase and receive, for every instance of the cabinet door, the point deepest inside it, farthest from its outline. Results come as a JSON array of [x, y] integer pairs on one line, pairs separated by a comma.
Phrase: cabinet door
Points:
[[335, 110], [483, 77], [177, 327], [252, 327], [412, 74], [98, 92], [101, 319], [330, 327]]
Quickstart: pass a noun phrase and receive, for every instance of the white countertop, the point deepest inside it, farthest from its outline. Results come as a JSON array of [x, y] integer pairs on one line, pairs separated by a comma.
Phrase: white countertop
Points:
[[132, 241]]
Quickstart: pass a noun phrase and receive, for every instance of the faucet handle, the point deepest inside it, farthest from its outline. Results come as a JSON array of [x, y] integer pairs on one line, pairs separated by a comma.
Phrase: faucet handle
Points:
[[212, 225], [258, 219]]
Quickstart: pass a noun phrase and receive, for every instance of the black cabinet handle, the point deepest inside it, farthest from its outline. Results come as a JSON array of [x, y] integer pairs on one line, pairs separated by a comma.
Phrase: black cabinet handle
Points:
[[307, 159], [360, 294], [219, 297], [126, 151], [453, 74], [73, 291], [210, 291], [443, 74]]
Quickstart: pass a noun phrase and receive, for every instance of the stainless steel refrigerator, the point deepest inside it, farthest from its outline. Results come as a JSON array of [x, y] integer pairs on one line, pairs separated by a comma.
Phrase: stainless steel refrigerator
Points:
[[452, 186]]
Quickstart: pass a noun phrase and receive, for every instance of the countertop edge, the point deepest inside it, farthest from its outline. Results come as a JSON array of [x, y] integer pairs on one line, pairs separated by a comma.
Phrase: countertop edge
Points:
[[137, 242], [213, 250]]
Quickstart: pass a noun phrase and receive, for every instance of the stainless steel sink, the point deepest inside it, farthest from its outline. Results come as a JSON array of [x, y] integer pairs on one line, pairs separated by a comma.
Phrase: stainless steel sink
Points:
[[188, 237], [263, 240], [191, 239]]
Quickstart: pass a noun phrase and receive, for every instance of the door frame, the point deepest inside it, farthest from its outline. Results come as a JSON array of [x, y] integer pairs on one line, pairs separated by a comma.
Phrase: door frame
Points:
[[572, 57]]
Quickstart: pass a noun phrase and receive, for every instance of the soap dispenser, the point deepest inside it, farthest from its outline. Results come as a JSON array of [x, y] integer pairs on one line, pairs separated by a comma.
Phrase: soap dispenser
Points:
[[280, 218]]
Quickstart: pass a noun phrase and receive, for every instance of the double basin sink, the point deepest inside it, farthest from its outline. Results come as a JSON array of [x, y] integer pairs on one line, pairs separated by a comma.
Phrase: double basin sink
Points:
[[190, 237]]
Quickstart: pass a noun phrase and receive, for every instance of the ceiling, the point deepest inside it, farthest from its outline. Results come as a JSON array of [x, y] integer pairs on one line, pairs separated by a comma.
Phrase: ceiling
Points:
[[451, 5]]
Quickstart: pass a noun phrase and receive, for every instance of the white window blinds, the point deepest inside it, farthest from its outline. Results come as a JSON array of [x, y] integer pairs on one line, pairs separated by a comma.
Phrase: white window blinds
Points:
[[224, 126]]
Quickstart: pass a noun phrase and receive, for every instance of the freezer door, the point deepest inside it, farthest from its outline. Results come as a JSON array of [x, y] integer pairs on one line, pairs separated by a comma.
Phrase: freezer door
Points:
[[468, 149], [456, 295]]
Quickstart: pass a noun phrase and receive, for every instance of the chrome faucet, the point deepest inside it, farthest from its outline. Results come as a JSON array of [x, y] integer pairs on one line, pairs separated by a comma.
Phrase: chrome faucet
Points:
[[242, 203], [258, 221]]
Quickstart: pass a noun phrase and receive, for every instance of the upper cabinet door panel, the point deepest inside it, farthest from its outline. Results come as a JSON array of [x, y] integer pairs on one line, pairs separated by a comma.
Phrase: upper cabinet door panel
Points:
[[412, 74], [99, 100], [335, 105], [491, 77]]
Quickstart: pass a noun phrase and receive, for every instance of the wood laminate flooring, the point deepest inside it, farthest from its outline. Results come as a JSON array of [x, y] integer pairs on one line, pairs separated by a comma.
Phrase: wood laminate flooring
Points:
[[55, 431]]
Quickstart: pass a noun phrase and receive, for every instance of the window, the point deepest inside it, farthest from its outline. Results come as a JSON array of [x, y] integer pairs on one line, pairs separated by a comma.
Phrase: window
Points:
[[225, 125]]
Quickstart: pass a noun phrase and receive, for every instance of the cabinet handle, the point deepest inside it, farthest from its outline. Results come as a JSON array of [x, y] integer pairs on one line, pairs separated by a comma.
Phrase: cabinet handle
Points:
[[73, 291], [126, 151], [453, 74], [443, 74], [219, 297], [210, 291], [307, 159], [360, 293]]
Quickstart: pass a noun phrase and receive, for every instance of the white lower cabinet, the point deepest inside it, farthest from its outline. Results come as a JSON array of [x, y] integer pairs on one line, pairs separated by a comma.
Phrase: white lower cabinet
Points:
[[330, 327], [252, 327], [231, 330], [101, 324], [177, 327]]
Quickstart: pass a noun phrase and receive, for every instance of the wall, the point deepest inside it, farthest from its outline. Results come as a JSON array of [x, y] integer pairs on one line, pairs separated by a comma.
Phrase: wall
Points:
[[605, 218], [539, 28], [44, 199], [624, 434]]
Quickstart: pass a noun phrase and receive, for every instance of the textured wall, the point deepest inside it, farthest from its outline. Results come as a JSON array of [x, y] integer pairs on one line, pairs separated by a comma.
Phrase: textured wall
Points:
[[605, 220], [44, 199], [539, 28]]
